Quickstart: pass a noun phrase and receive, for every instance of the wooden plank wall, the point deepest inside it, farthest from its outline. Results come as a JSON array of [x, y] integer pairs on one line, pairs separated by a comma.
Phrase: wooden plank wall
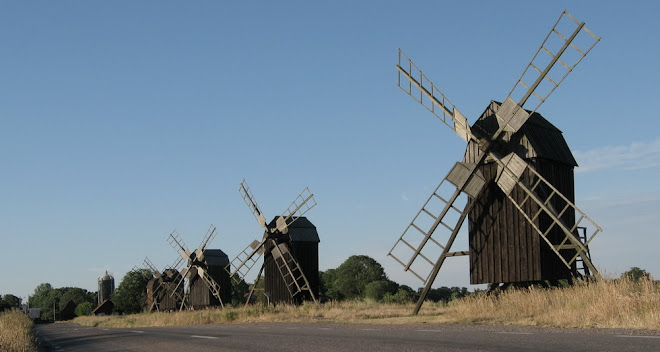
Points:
[[200, 295], [504, 247], [306, 253]]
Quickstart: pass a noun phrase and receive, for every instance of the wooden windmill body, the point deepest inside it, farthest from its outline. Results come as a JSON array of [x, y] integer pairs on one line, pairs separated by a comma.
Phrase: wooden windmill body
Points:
[[200, 296], [304, 241], [515, 183], [504, 248], [290, 249], [208, 283]]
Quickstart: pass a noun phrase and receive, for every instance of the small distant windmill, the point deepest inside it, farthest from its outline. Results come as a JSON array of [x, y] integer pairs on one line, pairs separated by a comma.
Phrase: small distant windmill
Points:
[[515, 183], [163, 293], [208, 282], [284, 271]]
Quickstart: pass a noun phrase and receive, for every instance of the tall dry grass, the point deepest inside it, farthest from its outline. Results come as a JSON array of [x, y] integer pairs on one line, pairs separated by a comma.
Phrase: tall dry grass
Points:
[[603, 304], [16, 332]]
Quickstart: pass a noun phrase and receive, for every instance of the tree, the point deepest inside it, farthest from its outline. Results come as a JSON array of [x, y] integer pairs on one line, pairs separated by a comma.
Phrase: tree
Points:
[[328, 287], [84, 308], [10, 301], [353, 275], [636, 274], [376, 290], [131, 295], [77, 295], [238, 290], [3, 305], [46, 298]]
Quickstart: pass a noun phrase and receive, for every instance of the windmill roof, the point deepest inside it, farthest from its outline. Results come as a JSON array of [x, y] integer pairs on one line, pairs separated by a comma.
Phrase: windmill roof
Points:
[[302, 230], [537, 138], [215, 257]]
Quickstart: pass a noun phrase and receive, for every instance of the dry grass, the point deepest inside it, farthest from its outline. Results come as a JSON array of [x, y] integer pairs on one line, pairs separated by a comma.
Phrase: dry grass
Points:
[[16, 332], [604, 304]]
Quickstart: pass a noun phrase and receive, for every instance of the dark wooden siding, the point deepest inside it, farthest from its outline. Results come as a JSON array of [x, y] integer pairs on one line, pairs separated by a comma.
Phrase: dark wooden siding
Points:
[[504, 247], [201, 296], [160, 290], [307, 255]]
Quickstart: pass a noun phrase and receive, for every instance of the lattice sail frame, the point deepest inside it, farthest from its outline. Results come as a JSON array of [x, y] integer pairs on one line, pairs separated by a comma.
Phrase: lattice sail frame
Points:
[[420, 88]]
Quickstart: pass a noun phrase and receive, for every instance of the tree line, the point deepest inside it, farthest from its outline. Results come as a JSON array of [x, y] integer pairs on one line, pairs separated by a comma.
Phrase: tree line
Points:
[[359, 277]]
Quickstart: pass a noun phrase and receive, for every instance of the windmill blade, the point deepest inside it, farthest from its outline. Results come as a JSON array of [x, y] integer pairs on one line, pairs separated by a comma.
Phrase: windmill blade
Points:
[[420, 88], [151, 266], [210, 235], [291, 272], [567, 43], [299, 207], [446, 210], [178, 262], [180, 279], [245, 260], [176, 242], [248, 198], [211, 284]]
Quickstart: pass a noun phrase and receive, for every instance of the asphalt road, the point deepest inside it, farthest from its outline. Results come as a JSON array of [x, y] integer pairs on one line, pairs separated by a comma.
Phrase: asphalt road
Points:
[[340, 337]]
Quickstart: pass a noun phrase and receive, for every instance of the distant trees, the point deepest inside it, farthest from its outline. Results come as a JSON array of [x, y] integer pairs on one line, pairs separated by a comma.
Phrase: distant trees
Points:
[[362, 277], [131, 295], [52, 300], [351, 278], [9, 301], [636, 274]]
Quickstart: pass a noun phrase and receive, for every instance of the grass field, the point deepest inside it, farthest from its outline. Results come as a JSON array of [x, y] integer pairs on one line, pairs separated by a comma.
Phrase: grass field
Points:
[[603, 304], [16, 332]]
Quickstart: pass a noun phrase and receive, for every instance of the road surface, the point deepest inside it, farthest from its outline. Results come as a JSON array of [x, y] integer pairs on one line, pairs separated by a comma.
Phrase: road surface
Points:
[[340, 337]]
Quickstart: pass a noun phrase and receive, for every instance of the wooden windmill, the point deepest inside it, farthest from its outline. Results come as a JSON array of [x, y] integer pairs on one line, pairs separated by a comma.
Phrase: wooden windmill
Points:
[[205, 271], [290, 251], [162, 291], [515, 183]]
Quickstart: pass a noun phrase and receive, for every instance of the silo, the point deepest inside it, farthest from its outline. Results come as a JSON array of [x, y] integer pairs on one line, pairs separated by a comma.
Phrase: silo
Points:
[[106, 287]]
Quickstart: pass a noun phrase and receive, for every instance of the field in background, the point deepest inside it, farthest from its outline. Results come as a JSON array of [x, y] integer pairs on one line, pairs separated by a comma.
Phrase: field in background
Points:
[[16, 332], [603, 304]]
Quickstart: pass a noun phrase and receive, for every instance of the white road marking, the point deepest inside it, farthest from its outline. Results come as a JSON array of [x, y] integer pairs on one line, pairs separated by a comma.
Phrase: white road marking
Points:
[[370, 329], [292, 328], [514, 333], [324, 328], [640, 336], [138, 331], [204, 337]]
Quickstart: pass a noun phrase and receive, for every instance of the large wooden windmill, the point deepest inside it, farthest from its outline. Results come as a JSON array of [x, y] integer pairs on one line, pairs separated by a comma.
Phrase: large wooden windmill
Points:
[[290, 251], [515, 183], [205, 271]]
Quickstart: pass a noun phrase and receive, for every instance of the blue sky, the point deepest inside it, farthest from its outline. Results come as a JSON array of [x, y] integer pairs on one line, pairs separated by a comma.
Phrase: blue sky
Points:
[[122, 121]]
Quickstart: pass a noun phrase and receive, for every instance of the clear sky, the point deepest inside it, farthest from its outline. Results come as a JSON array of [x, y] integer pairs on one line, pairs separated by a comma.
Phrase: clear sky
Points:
[[122, 121]]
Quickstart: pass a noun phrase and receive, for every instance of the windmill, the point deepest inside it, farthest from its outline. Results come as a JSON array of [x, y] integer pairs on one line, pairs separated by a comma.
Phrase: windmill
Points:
[[523, 223], [287, 278], [163, 291], [208, 282]]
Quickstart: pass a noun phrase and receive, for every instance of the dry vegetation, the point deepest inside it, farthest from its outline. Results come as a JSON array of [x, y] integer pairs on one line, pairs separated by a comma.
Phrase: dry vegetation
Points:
[[604, 304], [16, 332]]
